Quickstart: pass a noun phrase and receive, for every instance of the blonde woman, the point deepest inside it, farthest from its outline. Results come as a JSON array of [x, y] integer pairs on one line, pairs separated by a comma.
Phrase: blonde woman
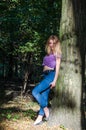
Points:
[[51, 65]]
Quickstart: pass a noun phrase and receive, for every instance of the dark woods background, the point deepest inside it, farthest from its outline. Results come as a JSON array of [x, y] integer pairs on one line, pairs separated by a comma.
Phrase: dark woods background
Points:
[[24, 29], [25, 26]]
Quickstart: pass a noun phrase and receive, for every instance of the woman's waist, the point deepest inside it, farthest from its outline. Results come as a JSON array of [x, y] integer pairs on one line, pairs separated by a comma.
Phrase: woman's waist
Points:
[[46, 68]]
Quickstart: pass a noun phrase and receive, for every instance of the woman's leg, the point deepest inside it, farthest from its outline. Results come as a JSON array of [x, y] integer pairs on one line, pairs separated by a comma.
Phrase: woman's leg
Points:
[[40, 92], [45, 94], [41, 111]]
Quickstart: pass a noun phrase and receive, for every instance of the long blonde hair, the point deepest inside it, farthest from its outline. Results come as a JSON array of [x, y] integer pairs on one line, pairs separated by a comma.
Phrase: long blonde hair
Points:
[[57, 46]]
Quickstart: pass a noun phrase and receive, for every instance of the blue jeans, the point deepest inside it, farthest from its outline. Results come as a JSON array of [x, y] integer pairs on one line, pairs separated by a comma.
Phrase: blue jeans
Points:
[[41, 91]]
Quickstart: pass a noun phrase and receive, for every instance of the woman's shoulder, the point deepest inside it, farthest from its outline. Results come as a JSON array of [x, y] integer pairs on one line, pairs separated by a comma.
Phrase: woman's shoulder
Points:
[[58, 55]]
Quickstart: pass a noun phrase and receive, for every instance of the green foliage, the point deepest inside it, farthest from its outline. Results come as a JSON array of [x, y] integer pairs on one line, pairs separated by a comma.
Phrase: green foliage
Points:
[[30, 113], [12, 115], [9, 116], [62, 126], [14, 0], [28, 47], [16, 117], [25, 26]]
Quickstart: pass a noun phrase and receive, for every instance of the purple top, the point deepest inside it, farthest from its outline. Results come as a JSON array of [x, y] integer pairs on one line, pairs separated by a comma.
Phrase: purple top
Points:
[[50, 60]]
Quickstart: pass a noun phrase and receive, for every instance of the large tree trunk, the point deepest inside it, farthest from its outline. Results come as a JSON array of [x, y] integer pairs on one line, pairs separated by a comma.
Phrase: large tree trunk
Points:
[[68, 91], [80, 20], [71, 63]]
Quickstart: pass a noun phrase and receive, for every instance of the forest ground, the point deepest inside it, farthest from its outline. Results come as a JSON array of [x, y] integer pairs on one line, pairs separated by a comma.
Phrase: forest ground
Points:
[[18, 112]]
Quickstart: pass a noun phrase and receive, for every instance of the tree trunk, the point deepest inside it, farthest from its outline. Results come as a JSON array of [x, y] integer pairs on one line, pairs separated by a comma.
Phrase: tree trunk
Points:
[[10, 72], [11, 48], [80, 20], [69, 85], [28, 60], [71, 62]]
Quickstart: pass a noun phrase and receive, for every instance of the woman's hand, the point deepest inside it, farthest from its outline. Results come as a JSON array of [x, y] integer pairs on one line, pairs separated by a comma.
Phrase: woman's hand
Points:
[[52, 84]]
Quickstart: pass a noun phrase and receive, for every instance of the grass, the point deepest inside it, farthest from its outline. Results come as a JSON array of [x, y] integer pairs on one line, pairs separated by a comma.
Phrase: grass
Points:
[[62, 126], [11, 114]]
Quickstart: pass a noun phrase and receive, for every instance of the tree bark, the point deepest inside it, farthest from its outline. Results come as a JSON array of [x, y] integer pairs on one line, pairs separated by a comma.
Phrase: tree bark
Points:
[[69, 85], [71, 62], [28, 61]]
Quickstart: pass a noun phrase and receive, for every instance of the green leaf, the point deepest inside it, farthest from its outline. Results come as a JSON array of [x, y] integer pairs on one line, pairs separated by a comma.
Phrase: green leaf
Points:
[[9, 116]]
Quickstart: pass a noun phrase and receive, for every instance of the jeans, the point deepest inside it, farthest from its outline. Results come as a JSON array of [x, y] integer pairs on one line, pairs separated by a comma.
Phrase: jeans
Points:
[[41, 91]]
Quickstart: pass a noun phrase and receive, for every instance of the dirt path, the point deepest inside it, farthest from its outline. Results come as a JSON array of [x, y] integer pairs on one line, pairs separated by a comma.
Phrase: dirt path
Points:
[[26, 125], [21, 106]]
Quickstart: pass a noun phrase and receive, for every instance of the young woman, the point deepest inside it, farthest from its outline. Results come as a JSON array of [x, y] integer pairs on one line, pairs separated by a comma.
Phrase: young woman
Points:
[[51, 65]]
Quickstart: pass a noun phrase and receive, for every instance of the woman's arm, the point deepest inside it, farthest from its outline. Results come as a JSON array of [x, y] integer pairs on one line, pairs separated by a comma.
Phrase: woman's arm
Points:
[[58, 61]]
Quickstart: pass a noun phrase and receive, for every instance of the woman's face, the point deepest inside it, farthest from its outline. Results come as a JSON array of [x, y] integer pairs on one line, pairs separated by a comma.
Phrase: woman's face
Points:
[[51, 44]]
